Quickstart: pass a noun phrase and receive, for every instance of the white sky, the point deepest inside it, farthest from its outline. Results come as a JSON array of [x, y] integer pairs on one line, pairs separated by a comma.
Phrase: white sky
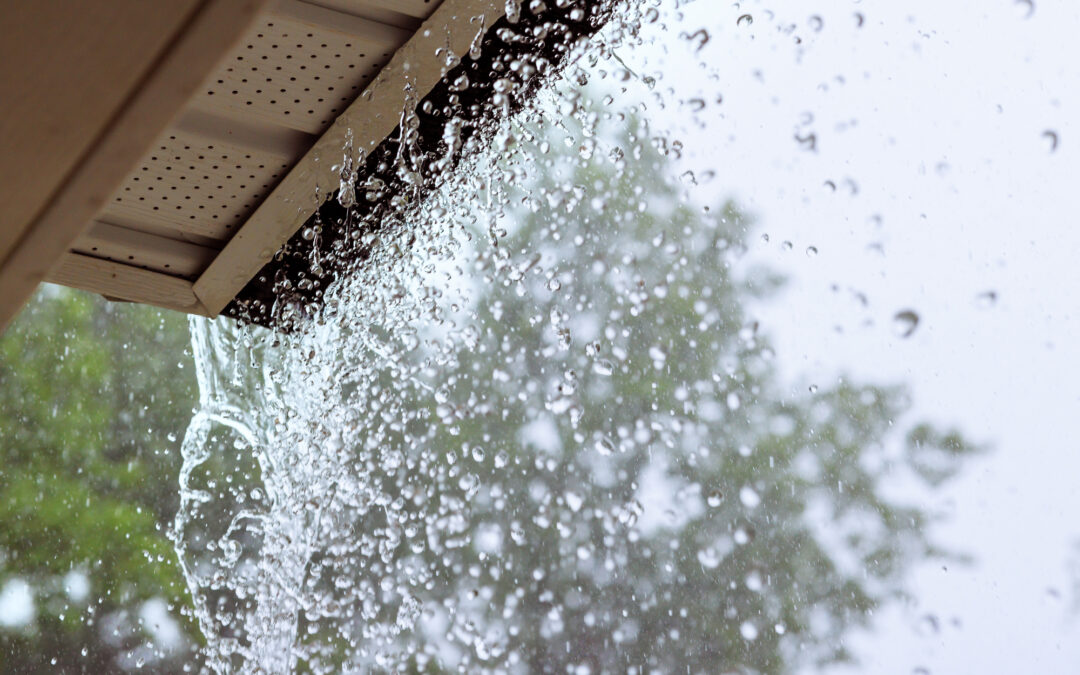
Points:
[[936, 110]]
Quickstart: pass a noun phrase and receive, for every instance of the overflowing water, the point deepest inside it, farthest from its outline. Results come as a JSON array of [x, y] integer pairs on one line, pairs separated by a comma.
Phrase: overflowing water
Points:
[[536, 430]]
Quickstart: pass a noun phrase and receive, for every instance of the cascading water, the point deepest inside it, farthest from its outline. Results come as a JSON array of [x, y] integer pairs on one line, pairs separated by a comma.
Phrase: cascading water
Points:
[[294, 503], [533, 430]]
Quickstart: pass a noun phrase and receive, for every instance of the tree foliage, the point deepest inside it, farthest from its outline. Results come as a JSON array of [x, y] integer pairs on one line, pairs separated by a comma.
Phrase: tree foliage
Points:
[[92, 397]]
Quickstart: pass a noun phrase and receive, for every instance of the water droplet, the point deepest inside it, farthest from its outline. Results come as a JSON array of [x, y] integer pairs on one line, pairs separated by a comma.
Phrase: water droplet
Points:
[[905, 322], [469, 482], [986, 299], [817, 23], [603, 367], [743, 536], [461, 83], [715, 498], [811, 251], [699, 39], [604, 446], [808, 141], [744, 20], [733, 401], [748, 630], [813, 389], [709, 557], [929, 625], [1052, 138], [749, 497]]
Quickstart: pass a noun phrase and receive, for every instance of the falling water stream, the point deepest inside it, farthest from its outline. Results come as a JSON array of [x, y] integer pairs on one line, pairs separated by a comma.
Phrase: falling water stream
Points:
[[537, 431]]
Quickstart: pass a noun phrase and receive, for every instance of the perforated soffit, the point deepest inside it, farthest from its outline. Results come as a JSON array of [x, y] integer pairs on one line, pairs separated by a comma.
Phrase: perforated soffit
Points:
[[280, 88]]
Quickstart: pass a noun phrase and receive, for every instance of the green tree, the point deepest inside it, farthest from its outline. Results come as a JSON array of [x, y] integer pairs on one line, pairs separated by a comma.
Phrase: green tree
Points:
[[92, 397]]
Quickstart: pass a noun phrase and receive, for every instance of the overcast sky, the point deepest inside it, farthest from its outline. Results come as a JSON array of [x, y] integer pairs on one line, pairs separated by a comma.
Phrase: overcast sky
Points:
[[951, 201]]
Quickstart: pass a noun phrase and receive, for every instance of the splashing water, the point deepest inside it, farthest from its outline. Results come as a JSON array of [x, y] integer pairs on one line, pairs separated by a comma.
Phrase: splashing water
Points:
[[294, 490], [303, 533], [502, 443]]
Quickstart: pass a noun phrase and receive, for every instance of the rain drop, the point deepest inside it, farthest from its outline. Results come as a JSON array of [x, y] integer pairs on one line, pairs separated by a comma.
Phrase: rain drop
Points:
[[603, 367], [905, 322], [808, 142], [604, 446], [700, 38], [986, 299], [748, 630], [749, 497], [1052, 138], [709, 557]]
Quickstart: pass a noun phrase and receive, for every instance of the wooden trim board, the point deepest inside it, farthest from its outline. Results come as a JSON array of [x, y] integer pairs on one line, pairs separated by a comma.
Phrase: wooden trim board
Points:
[[126, 283]]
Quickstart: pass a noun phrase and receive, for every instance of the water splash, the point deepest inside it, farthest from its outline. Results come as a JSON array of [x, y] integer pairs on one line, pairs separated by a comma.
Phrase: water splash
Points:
[[517, 416]]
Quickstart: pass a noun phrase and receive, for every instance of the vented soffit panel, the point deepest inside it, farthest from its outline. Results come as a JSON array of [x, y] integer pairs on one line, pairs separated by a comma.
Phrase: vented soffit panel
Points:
[[210, 161]]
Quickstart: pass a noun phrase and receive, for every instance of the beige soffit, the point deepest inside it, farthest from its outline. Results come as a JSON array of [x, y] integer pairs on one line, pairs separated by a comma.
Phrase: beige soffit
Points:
[[171, 148]]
